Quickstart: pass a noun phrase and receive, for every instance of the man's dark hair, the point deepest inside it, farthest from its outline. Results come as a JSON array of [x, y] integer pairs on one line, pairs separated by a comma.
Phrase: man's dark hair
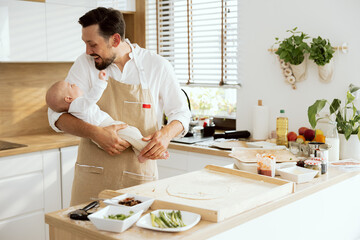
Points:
[[110, 21]]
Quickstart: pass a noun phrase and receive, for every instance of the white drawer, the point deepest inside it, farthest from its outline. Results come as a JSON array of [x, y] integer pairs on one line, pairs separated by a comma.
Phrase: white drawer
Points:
[[177, 160], [165, 172], [198, 161], [28, 226], [21, 194], [20, 164]]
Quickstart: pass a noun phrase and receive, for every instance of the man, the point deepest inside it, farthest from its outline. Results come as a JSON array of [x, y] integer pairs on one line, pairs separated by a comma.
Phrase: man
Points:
[[141, 86]]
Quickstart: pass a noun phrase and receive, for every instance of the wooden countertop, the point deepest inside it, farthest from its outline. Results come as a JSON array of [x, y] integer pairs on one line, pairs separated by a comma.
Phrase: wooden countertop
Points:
[[39, 142], [46, 141], [199, 149], [61, 227]]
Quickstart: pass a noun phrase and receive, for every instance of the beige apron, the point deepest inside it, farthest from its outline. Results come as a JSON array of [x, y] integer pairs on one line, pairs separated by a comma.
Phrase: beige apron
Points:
[[95, 169]]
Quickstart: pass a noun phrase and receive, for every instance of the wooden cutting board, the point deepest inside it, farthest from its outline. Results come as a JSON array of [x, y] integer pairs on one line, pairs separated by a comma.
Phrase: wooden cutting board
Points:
[[231, 192], [249, 155]]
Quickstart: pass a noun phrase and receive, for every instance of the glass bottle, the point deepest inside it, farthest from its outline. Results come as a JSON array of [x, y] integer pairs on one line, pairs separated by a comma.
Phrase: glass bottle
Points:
[[282, 125], [329, 128]]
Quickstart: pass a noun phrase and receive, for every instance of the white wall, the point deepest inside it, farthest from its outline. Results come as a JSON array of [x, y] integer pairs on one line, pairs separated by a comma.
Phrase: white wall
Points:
[[260, 21]]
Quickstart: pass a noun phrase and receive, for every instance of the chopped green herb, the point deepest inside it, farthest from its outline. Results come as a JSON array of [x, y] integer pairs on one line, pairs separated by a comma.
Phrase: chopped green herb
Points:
[[119, 216]]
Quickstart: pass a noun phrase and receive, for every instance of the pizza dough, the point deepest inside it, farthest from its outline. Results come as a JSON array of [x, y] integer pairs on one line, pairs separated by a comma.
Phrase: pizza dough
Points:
[[197, 192]]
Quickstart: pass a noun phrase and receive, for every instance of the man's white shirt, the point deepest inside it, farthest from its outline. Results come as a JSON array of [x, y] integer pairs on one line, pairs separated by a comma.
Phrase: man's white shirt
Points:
[[160, 77]]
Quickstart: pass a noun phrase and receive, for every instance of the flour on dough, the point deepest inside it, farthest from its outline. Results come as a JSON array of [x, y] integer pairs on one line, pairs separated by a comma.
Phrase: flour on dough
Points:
[[197, 192]]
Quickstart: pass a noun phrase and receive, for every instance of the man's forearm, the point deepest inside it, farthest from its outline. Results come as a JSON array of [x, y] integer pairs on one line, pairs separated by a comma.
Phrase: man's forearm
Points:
[[173, 129], [70, 124]]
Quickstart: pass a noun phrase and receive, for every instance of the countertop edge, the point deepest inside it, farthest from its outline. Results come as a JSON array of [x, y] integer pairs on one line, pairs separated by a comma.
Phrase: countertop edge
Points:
[[44, 141]]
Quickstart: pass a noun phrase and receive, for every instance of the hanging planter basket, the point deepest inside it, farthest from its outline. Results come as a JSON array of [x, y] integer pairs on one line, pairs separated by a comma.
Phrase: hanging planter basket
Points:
[[326, 72], [300, 70]]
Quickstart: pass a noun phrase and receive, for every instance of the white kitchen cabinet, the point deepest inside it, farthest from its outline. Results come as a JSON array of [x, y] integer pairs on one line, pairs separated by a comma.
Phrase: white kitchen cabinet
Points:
[[68, 160], [22, 31], [122, 5], [181, 162], [64, 32], [30, 187], [197, 161]]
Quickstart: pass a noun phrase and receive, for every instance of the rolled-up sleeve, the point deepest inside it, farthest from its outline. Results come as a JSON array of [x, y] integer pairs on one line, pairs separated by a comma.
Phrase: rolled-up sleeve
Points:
[[175, 102]]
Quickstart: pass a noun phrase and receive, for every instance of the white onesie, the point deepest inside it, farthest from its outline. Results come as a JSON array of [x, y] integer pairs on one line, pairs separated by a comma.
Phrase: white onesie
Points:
[[86, 109]]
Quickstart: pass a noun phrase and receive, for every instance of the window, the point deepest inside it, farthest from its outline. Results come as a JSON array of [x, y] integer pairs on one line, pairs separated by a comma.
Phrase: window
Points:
[[199, 38]]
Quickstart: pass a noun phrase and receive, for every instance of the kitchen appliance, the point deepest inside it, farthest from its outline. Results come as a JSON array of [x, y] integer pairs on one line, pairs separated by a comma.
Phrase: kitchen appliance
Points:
[[233, 134], [191, 140], [4, 145]]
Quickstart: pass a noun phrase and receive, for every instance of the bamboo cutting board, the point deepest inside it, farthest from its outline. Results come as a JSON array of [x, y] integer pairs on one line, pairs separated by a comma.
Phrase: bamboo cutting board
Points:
[[216, 193], [249, 155]]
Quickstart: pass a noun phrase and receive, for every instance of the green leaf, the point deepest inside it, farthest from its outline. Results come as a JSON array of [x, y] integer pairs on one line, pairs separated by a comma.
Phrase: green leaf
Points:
[[315, 109], [353, 88], [347, 132], [350, 97], [334, 105]]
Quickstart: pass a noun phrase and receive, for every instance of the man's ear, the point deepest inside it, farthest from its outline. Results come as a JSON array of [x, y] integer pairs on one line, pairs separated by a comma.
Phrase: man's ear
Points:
[[115, 40], [68, 99]]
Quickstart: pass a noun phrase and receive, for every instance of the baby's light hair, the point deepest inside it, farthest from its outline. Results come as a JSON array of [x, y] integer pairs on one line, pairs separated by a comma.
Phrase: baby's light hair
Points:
[[55, 97]]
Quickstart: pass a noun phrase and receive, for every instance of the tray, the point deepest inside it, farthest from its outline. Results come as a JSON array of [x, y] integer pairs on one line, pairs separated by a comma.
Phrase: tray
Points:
[[243, 191], [249, 155]]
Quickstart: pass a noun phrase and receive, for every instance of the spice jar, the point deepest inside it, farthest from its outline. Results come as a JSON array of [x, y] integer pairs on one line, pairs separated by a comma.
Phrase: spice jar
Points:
[[314, 165]]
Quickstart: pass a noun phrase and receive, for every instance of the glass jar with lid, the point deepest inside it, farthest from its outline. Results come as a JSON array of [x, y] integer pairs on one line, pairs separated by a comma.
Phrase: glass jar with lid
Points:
[[329, 128], [314, 165]]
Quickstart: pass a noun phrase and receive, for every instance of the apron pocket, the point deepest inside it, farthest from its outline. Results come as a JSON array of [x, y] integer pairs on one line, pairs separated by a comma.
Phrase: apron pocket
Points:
[[138, 109], [90, 169], [130, 179]]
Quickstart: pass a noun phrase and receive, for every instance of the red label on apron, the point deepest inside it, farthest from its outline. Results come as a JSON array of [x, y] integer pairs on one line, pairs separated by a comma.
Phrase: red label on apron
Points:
[[146, 105]]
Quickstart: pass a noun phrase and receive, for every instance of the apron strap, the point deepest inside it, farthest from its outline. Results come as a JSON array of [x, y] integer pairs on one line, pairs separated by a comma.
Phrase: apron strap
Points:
[[139, 66]]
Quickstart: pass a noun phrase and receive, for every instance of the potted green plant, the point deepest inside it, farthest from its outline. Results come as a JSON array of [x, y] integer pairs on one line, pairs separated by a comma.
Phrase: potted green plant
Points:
[[347, 118], [292, 50], [321, 52]]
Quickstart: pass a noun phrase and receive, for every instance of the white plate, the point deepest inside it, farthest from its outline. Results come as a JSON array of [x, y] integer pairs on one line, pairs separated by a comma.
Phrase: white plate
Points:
[[351, 165], [190, 219], [144, 205]]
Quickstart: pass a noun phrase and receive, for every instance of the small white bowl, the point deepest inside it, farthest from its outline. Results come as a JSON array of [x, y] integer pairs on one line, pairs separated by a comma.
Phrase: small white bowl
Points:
[[102, 223], [297, 174], [144, 205]]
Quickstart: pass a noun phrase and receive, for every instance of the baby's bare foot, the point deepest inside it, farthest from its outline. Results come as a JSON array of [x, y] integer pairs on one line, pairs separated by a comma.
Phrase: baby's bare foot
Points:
[[166, 155]]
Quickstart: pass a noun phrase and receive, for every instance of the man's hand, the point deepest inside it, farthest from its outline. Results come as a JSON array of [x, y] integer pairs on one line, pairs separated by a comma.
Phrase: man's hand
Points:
[[159, 141], [157, 146], [108, 139]]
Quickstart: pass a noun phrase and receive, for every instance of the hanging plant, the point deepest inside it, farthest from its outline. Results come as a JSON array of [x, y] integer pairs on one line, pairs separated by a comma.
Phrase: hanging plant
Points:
[[293, 48], [321, 51]]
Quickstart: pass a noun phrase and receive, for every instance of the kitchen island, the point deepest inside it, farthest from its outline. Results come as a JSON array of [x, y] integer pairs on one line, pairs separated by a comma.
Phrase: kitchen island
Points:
[[325, 208]]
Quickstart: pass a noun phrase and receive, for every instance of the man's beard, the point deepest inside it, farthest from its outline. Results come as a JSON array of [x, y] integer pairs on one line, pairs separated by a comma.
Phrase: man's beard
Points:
[[104, 63]]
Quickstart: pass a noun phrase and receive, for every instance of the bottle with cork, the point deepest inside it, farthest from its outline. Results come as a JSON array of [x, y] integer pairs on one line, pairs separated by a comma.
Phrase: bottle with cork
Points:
[[282, 125]]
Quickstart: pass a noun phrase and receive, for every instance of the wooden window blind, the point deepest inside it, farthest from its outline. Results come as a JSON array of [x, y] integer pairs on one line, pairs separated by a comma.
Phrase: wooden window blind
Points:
[[198, 37]]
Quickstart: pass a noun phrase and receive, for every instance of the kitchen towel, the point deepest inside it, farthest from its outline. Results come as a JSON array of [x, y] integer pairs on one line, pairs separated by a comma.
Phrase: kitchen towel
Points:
[[260, 122]]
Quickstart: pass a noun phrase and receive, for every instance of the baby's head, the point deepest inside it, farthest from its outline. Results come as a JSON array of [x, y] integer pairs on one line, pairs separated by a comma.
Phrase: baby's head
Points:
[[61, 94]]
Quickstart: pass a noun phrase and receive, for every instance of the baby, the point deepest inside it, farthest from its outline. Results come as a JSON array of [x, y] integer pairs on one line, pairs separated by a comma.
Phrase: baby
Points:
[[65, 97]]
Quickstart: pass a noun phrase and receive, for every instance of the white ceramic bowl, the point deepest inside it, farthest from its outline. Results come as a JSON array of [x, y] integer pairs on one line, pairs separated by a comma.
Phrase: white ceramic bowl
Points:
[[112, 225], [297, 174], [144, 205]]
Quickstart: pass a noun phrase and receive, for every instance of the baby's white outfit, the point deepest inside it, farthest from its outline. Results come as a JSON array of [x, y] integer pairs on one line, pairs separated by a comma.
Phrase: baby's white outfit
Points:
[[86, 109]]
